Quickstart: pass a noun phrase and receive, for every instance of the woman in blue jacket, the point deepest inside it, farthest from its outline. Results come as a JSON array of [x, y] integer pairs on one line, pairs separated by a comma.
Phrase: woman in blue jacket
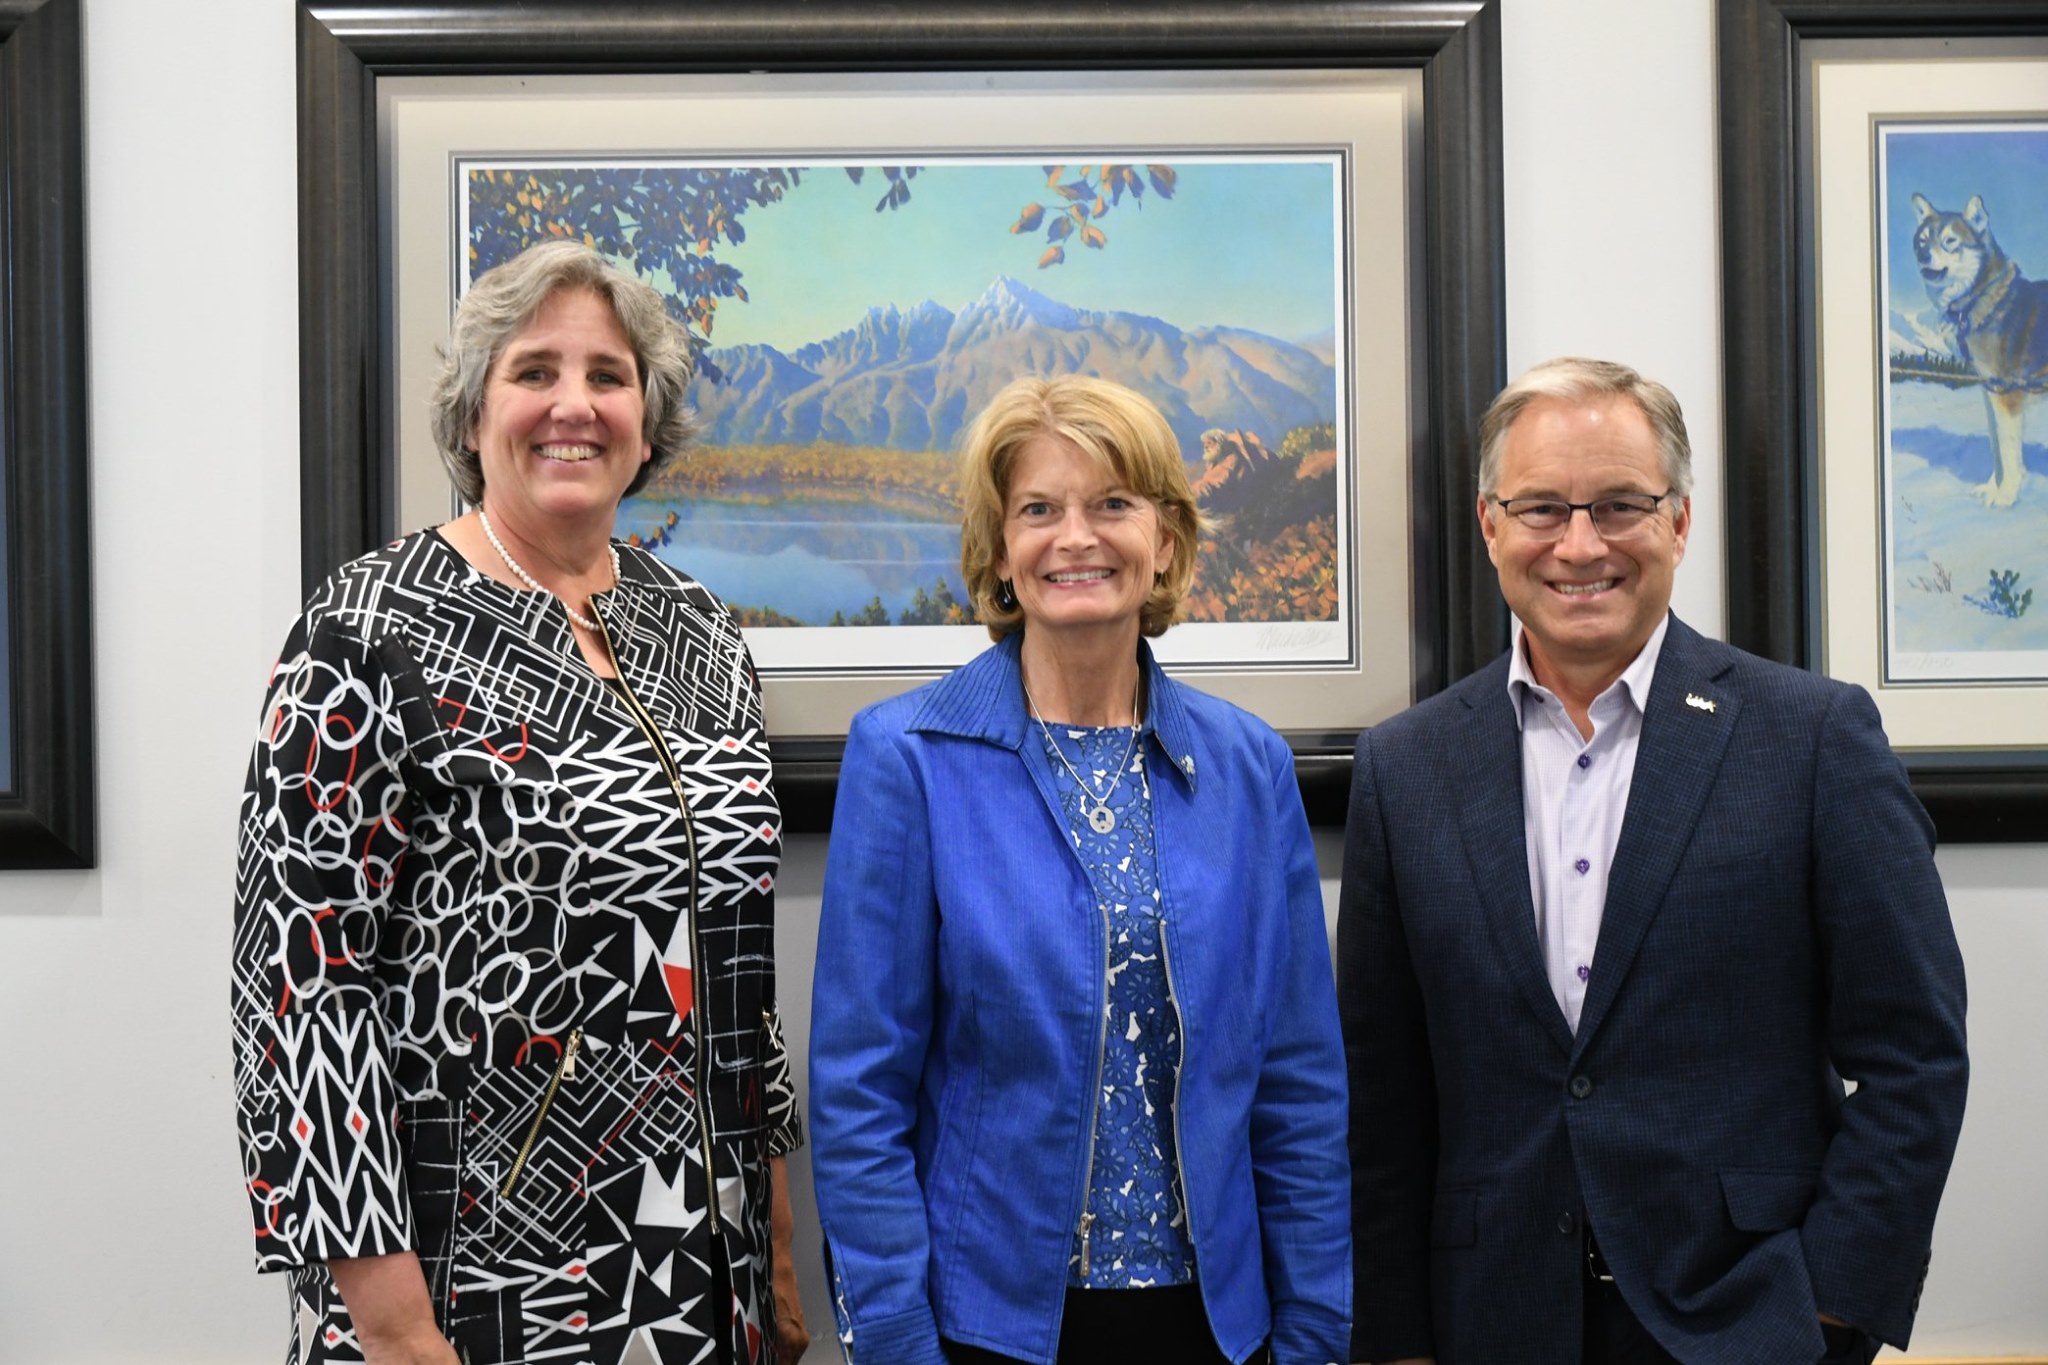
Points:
[[1077, 1085]]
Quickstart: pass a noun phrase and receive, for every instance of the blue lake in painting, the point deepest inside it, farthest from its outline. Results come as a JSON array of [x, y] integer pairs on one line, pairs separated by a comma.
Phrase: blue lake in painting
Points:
[[804, 557]]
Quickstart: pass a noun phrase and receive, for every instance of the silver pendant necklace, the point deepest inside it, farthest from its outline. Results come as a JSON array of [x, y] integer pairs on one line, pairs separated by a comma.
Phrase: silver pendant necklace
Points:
[[519, 571], [1101, 819]]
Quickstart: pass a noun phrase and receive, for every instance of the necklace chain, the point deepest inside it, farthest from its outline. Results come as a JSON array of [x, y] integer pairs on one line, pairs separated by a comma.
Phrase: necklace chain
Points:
[[519, 571], [1101, 819]]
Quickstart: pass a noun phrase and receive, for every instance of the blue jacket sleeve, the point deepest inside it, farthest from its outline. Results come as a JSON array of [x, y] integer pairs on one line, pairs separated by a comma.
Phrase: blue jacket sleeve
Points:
[[871, 1023], [1299, 1167], [1895, 1001]]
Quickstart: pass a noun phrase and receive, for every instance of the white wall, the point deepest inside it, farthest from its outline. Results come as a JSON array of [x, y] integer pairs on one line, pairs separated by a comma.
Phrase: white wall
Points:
[[122, 1232]]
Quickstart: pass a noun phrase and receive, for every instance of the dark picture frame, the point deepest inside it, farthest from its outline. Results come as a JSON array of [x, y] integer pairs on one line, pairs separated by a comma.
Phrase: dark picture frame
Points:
[[348, 46], [46, 798], [1770, 359]]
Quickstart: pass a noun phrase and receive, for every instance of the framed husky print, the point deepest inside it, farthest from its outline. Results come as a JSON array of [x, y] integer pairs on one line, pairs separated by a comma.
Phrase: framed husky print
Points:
[[1281, 225], [1886, 285], [46, 750]]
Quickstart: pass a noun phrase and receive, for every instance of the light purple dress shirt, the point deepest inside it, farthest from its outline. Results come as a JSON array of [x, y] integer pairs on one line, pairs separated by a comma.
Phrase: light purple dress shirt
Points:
[[1574, 795]]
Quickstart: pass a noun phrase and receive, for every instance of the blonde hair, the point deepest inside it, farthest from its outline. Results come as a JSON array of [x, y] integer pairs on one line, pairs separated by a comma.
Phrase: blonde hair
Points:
[[1124, 433]]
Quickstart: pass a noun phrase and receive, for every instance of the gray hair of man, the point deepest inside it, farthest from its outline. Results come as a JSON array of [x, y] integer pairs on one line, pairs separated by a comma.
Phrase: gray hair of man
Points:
[[1575, 379], [502, 303]]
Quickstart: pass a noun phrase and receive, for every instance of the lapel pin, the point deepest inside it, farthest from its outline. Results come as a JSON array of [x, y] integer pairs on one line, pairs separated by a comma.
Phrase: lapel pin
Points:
[[1696, 700], [1188, 764]]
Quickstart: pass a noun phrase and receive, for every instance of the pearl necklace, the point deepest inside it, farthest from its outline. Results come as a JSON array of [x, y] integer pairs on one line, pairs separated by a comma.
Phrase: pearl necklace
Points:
[[1101, 819], [588, 623]]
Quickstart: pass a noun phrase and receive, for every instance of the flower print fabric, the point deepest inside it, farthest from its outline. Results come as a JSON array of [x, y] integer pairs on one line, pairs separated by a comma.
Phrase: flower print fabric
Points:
[[1139, 1236]]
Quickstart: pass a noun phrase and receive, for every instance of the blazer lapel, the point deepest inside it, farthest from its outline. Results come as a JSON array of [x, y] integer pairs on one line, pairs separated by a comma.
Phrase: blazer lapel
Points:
[[1685, 734], [1497, 845]]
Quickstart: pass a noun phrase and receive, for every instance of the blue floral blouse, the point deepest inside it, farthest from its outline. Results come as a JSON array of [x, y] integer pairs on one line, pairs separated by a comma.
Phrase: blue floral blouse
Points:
[[1138, 1236]]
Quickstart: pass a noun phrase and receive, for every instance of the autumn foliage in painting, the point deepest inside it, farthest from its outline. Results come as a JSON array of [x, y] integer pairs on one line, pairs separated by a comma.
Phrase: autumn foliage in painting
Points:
[[667, 226], [1083, 202], [1273, 553], [664, 227]]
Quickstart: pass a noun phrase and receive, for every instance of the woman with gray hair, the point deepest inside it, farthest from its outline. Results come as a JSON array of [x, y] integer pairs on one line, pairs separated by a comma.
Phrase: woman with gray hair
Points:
[[510, 1078]]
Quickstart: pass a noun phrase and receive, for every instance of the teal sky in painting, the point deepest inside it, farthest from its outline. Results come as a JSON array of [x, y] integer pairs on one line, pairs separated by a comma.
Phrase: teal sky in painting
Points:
[[2005, 163], [1240, 244]]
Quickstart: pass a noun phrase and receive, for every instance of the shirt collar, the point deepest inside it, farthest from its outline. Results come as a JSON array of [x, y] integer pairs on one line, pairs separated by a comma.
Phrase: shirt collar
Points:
[[984, 699], [1634, 680]]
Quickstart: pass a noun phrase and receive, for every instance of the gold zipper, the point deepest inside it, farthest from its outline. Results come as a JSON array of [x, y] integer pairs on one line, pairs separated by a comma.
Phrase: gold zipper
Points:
[[564, 1070], [652, 733]]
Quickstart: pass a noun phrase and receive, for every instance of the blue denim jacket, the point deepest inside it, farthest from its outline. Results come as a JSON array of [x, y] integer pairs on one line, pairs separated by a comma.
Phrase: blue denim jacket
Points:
[[956, 1025]]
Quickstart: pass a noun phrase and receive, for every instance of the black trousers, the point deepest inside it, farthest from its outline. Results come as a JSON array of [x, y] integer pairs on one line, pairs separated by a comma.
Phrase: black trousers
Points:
[[1119, 1326], [721, 1302], [1614, 1336]]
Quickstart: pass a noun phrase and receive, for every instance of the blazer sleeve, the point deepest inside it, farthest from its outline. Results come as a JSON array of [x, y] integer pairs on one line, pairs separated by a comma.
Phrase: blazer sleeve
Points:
[[1895, 1005], [872, 1010], [785, 1123], [1393, 1128], [1299, 1168], [323, 831]]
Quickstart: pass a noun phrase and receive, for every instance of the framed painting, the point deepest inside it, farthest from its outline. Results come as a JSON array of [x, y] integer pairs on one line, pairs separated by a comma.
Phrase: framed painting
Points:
[[1886, 284], [46, 751], [910, 211]]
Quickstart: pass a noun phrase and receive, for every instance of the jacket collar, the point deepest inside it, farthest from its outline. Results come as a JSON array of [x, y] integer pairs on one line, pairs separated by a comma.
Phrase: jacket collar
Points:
[[1486, 752], [1686, 722], [1686, 727], [984, 699]]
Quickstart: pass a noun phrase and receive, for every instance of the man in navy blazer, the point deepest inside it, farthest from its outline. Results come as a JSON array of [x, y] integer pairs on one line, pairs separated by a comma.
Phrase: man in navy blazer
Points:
[[1621, 914]]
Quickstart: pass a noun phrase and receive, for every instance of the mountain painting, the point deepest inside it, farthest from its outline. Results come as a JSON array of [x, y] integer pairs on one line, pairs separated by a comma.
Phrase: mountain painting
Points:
[[852, 320], [1964, 278]]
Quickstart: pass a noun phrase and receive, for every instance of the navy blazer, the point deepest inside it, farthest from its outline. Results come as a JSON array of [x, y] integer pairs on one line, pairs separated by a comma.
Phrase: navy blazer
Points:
[[1773, 924]]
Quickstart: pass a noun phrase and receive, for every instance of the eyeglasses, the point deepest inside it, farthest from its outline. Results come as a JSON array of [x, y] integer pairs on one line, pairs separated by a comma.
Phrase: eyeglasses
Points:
[[1614, 518]]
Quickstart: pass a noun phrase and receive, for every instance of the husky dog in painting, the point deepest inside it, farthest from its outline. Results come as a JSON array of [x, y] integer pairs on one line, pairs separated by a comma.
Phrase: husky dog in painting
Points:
[[2000, 319]]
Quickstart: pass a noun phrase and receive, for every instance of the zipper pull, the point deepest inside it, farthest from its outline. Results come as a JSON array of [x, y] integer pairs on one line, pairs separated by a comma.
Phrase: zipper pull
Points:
[[1087, 1222], [574, 1045]]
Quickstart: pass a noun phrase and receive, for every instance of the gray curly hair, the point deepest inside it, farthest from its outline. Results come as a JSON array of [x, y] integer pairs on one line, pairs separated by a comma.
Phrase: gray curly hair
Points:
[[503, 301]]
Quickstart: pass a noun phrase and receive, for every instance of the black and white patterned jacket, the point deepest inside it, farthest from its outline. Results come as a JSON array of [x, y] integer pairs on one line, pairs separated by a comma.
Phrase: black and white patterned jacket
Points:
[[504, 939]]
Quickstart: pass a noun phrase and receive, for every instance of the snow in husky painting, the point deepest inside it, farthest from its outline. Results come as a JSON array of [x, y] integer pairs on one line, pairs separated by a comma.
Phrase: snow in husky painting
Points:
[[1964, 280], [854, 317]]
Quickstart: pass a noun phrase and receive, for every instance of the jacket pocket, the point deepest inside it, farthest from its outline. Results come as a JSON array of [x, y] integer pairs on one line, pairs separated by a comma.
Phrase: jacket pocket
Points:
[[536, 1127], [1767, 1201], [1454, 1218]]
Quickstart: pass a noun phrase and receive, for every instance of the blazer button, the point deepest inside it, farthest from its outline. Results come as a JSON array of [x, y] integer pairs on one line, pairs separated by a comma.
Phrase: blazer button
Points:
[[1566, 1223], [1582, 1086]]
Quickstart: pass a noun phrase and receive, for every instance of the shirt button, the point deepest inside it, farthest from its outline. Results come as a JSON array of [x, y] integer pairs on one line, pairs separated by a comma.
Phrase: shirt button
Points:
[[1566, 1223], [1585, 760], [1585, 972], [1582, 1086], [1583, 866]]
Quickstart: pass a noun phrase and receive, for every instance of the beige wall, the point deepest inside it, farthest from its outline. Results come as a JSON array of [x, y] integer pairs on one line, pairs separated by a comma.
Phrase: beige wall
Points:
[[121, 1226]]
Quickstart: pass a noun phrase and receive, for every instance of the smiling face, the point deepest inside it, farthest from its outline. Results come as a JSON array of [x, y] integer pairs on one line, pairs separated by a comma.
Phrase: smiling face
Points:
[[1587, 605], [561, 430], [1079, 548]]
